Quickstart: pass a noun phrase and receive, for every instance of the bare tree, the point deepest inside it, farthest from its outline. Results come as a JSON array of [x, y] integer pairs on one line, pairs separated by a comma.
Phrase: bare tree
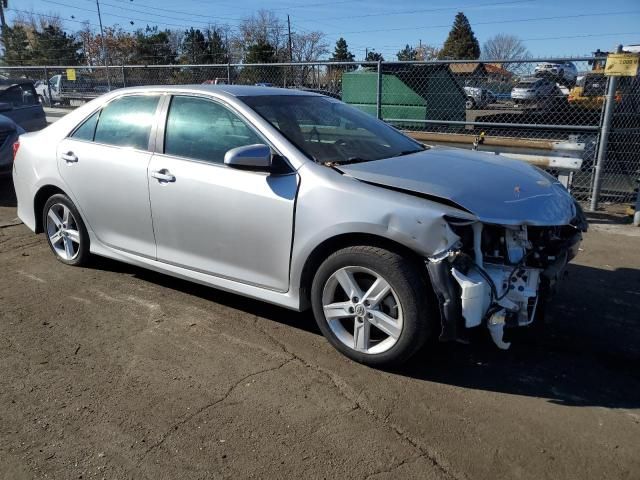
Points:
[[427, 52], [504, 47], [35, 21], [308, 47], [263, 28]]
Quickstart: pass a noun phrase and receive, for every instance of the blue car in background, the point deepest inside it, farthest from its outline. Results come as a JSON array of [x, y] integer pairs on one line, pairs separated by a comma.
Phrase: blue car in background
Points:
[[20, 112]]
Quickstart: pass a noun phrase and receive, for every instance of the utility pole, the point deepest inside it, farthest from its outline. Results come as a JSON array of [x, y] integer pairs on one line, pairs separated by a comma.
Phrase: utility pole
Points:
[[290, 49], [3, 22], [104, 47]]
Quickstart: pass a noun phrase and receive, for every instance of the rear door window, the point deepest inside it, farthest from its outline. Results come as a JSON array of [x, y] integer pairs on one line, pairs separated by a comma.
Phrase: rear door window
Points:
[[87, 129], [127, 121]]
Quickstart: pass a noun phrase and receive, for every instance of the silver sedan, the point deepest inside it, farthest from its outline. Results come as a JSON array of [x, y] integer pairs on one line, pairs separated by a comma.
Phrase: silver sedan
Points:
[[297, 199]]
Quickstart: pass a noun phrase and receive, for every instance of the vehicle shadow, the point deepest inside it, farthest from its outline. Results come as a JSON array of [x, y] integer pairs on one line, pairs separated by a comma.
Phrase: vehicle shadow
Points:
[[7, 193], [586, 354], [301, 320]]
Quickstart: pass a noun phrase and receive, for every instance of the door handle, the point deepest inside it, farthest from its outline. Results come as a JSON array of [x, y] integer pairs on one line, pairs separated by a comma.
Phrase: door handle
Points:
[[69, 157], [163, 175]]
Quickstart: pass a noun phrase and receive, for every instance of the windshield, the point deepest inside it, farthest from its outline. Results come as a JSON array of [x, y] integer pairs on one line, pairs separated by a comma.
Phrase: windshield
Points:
[[329, 131]]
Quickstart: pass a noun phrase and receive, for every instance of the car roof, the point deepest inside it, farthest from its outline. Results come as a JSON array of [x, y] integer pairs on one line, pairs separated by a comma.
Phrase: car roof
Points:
[[228, 90], [530, 80], [6, 83]]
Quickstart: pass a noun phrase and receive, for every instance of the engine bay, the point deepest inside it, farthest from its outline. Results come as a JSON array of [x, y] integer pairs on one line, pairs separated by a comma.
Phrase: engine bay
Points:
[[499, 276]]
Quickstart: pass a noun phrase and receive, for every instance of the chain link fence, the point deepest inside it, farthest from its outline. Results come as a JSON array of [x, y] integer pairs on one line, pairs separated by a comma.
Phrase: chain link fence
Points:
[[548, 112]]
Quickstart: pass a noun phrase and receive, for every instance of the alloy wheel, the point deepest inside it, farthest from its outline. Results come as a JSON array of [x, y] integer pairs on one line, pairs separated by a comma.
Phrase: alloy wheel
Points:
[[362, 310], [63, 232]]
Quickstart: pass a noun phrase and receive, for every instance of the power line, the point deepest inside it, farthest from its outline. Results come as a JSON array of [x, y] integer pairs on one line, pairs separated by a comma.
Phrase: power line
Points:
[[163, 9], [57, 17], [428, 10], [126, 17], [494, 22]]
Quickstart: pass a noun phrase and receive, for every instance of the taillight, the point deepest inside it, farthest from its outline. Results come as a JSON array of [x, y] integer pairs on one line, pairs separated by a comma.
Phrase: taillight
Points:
[[16, 146]]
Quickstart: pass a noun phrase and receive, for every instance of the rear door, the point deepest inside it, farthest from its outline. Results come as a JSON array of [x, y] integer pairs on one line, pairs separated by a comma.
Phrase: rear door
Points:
[[104, 162], [209, 217]]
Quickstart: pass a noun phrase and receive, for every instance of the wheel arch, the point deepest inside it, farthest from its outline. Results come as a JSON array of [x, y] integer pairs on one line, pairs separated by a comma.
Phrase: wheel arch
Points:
[[332, 244], [40, 198]]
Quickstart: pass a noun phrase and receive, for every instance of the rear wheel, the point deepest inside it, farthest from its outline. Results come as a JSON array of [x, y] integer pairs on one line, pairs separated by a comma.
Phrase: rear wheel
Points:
[[370, 303], [66, 234], [470, 104]]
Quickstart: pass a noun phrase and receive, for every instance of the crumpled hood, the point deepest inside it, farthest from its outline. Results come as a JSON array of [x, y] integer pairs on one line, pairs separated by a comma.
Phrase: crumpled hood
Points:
[[494, 188]]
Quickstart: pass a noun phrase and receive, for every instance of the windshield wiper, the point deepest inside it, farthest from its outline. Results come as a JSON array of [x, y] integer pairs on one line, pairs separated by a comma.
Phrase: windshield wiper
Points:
[[347, 161], [407, 152]]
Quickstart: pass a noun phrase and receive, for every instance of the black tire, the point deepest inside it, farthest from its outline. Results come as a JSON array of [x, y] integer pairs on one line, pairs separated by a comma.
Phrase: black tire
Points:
[[82, 255], [470, 103], [409, 285]]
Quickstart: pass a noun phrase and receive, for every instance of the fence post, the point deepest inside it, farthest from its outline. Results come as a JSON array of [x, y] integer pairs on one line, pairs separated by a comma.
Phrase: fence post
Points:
[[46, 79], [228, 73], [636, 213], [379, 92], [124, 77], [603, 141]]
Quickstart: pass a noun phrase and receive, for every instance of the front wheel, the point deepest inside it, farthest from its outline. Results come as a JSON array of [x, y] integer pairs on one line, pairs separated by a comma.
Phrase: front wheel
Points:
[[66, 234], [370, 303]]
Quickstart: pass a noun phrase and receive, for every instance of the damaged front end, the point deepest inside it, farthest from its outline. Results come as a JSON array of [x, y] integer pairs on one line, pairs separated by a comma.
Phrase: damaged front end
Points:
[[499, 275]]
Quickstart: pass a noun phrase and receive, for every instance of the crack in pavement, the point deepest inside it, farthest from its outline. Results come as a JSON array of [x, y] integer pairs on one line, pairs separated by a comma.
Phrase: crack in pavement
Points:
[[347, 392], [173, 428], [23, 247], [10, 224], [412, 458]]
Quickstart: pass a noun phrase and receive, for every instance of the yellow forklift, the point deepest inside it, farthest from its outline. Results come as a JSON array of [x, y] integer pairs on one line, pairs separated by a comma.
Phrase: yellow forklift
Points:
[[591, 87]]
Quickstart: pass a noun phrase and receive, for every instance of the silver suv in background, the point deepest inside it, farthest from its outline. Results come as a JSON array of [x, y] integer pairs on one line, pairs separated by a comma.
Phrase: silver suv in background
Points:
[[565, 72], [540, 92], [478, 97]]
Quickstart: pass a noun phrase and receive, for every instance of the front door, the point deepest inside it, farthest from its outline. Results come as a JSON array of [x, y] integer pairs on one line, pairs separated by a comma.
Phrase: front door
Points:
[[212, 218], [104, 162]]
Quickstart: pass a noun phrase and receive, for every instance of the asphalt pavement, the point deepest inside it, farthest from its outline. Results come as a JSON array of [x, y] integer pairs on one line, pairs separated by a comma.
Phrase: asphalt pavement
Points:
[[115, 372]]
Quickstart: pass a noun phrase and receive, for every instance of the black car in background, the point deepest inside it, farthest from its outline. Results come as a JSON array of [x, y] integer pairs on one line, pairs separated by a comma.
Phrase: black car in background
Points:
[[20, 111]]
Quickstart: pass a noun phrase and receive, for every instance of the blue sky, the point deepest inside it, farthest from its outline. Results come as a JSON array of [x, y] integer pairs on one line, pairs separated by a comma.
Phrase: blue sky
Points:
[[547, 27]]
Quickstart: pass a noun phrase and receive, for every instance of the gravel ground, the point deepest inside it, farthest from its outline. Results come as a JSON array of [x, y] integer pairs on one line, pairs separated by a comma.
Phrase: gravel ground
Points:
[[115, 372]]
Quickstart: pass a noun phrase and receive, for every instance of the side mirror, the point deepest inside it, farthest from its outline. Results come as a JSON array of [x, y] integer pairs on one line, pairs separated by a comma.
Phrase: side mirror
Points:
[[250, 157], [5, 107]]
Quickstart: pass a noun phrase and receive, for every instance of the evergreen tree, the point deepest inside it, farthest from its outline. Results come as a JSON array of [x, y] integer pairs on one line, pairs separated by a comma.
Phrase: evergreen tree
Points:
[[260, 52], [194, 47], [218, 49], [153, 47], [16, 46], [341, 52], [54, 45], [373, 56], [461, 44], [407, 53]]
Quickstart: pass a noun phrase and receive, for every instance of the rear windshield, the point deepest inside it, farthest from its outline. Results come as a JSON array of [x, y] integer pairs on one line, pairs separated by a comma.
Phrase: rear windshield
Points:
[[329, 131]]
